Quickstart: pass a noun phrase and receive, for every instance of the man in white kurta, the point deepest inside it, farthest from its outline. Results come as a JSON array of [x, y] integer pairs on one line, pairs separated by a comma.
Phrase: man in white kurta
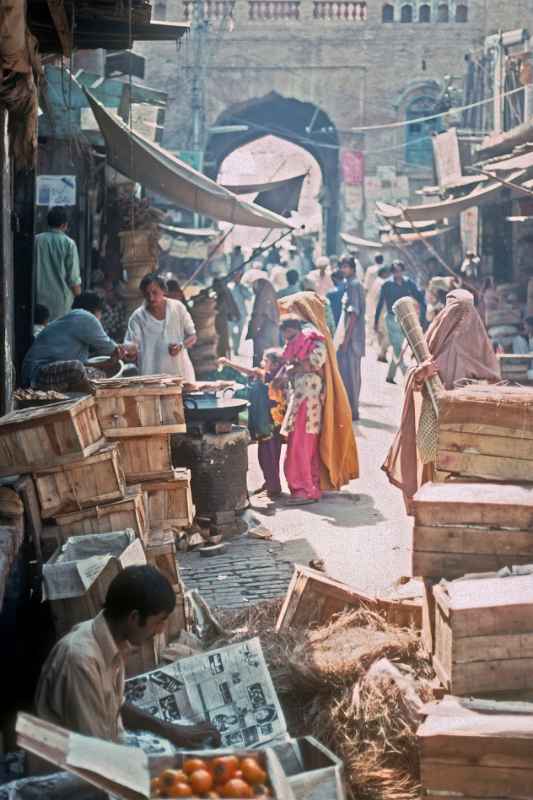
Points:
[[162, 343]]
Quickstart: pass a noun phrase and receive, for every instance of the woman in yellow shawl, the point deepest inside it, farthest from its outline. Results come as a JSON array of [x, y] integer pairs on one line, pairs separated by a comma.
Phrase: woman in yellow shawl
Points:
[[338, 450]]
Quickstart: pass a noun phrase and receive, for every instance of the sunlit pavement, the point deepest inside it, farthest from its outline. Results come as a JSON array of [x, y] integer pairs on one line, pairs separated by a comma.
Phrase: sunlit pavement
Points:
[[362, 533]]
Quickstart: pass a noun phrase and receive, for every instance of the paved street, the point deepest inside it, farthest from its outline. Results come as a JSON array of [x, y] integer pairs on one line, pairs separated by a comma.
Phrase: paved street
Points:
[[362, 532]]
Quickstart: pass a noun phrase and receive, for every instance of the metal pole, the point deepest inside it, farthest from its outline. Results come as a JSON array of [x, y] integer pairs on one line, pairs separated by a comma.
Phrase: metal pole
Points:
[[199, 27]]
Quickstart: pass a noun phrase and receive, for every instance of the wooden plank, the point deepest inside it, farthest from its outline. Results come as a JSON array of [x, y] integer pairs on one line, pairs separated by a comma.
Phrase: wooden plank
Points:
[[484, 504], [500, 647], [504, 445], [26, 488], [501, 406], [468, 540], [488, 606], [456, 565], [478, 781], [486, 430], [29, 465], [490, 468], [155, 430], [61, 23]]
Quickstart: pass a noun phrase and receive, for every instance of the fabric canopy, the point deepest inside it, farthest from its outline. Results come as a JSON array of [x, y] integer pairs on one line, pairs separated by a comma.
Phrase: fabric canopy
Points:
[[522, 161], [355, 241], [255, 188], [194, 233], [484, 193], [157, 169], [393, 238]]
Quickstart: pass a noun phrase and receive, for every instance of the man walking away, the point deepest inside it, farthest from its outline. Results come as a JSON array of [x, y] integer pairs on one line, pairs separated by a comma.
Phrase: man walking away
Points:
[[336, 295], [242, 295], [397, 286], [293, 281], [58, 278], [352, 349]]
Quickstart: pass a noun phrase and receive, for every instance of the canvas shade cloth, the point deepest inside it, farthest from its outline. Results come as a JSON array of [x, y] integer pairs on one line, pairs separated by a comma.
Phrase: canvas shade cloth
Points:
[[461, 349], [256, 188], [338, 450], [157, 169], [356, 241], [485, 193]]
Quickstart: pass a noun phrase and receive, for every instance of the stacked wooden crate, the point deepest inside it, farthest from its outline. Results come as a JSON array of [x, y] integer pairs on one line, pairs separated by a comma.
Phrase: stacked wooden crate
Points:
[[139, 251], [473, 546], [86, 483]]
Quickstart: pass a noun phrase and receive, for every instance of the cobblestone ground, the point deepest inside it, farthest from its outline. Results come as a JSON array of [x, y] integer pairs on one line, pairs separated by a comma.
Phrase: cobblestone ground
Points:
[[361, 533]]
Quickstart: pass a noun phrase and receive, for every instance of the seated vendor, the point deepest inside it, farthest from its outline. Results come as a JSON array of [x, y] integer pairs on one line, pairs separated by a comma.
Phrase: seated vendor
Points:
[[57, 358], [81, 687]]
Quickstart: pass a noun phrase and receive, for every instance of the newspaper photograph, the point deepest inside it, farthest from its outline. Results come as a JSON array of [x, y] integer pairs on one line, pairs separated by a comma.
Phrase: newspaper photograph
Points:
[[230, 687]]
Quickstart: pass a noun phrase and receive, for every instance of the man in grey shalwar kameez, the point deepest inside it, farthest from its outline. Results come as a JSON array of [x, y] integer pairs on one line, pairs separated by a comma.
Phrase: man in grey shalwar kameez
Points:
[[352, 349]]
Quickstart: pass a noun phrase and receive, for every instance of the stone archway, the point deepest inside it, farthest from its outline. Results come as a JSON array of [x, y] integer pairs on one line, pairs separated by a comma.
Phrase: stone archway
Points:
[[293, 120]]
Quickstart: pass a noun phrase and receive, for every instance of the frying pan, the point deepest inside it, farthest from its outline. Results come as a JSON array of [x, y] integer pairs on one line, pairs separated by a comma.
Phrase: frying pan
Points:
[[204, 407]]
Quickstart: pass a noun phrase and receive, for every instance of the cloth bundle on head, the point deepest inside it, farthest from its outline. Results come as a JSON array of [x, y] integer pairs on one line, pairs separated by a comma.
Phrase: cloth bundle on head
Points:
[[461, 349], [338, 450]]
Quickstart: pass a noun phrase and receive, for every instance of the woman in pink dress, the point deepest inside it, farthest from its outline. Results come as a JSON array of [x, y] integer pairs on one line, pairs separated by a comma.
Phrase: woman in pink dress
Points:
[[305, 355]]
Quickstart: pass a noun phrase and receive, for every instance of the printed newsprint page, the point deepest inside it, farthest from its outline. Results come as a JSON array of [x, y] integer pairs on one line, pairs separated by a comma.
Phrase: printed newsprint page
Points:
[[230, 687]]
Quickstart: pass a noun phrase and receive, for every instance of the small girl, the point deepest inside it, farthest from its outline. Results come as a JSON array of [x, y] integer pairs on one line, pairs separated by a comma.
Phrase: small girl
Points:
[[268, 404]]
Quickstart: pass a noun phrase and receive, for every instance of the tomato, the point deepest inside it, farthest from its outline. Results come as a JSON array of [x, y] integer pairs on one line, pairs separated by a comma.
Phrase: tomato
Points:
[[201, 781], [224, 768], [179, 789], [190, 765], [252, 772], [170, 777], [237, 788]]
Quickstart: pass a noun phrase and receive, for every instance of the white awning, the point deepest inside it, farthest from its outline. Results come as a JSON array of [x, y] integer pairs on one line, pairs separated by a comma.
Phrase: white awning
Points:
[[484, 193], [157, 169], [355, 241], [193, 233], [257, 188]]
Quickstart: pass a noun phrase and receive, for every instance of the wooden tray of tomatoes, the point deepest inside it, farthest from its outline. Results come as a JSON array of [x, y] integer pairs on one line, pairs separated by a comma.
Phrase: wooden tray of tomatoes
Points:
[[216, 775]]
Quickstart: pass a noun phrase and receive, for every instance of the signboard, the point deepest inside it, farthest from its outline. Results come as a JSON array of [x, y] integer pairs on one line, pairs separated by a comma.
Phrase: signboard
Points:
[[447, 156], [353, 167], [56, 190], [469, 229]]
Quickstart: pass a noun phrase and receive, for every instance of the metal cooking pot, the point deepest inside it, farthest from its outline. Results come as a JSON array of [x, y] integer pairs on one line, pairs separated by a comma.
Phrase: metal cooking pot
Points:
[[206, 407]]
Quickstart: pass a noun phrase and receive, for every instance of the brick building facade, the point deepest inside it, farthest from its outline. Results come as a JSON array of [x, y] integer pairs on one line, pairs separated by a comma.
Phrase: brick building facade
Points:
[[350, 64]]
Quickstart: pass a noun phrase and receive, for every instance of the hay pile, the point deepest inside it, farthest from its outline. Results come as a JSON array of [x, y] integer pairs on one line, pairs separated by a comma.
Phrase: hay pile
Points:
[[357, 685]]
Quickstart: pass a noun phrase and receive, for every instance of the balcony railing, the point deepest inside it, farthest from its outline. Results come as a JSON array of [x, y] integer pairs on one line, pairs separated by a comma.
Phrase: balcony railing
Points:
[[262, 10], [342, 11], [210, 9]]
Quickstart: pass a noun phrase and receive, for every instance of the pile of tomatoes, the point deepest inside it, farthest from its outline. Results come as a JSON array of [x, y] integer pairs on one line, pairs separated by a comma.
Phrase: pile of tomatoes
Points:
[[224, 776]]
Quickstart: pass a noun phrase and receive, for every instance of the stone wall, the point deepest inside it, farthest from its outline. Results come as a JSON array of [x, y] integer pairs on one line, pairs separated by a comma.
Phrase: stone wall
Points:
[[340, 56]]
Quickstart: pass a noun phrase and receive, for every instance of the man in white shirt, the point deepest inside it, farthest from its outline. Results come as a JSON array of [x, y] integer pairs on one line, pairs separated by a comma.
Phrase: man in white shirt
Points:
[[163, 330]]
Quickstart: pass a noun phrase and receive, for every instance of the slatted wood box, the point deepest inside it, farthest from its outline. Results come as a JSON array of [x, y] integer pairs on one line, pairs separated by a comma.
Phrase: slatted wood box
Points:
[[55, 434], [487, 432], [170, 501], [476, 749], [130, 512], [143, 406], [90, 481], [313, 598], [145, 458], [73, 600], [461, 528], [160, 549], [484, 634]]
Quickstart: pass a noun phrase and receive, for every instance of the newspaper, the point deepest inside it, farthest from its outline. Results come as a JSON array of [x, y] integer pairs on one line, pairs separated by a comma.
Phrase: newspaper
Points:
[[230, 687]]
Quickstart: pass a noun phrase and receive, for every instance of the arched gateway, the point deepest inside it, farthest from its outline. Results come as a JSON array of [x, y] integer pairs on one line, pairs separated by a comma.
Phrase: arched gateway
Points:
[[293, 120]]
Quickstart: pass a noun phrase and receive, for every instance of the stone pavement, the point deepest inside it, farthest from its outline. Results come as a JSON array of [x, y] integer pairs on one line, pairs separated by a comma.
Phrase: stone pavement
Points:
[[361, 533], [250, 571]]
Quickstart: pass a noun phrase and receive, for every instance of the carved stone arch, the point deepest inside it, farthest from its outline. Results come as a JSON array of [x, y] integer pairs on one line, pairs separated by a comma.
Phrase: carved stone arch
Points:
[[290, 119]]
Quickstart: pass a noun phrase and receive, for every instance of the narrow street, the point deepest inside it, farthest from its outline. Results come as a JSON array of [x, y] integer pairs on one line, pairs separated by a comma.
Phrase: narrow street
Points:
[[362, 532]]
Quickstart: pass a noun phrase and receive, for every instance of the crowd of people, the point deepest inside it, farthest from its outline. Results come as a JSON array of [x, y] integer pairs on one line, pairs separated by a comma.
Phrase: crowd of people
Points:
[[308, 325]]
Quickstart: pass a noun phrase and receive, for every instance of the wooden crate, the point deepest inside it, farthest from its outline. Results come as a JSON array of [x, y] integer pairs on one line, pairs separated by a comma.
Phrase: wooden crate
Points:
[[484, 634], [313, 598], [74, 594], [461, 528], [314, 772], [140, 406], [160, 549], [130, 512], [481, 749], [47, 435], [170, 501], [90, 481], [145, 458], [487, 432]]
